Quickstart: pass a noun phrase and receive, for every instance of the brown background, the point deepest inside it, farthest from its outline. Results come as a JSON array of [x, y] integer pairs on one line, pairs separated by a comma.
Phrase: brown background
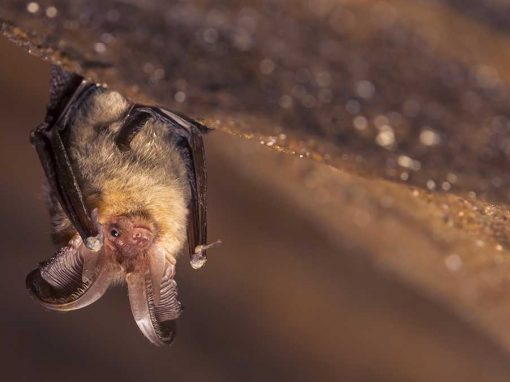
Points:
[[275, 302]]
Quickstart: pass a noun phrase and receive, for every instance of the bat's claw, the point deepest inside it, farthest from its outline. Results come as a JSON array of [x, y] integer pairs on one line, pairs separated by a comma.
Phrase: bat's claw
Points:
[[95, 243], [198, 259]]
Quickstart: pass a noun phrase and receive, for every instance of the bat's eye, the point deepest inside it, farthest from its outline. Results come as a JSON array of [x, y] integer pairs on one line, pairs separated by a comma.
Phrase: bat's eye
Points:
[[115, 233]]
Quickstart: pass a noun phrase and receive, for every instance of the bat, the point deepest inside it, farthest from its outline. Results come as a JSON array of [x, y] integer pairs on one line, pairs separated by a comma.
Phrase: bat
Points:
[[126, 188]]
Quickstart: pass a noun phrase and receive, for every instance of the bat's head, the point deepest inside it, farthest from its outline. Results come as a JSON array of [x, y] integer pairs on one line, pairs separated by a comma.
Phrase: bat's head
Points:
[[76, 276]]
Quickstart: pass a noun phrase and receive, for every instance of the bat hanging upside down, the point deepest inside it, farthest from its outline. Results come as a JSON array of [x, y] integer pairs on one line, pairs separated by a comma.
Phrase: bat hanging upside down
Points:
[[126, 188]]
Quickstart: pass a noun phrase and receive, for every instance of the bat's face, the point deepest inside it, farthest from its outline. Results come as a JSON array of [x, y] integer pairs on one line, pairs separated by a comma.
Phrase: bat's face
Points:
[[129, 239], [127, 182], [76, 276]]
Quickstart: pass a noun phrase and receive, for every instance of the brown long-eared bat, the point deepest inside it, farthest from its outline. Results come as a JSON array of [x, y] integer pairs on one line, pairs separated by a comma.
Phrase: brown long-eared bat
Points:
[[126, 188]]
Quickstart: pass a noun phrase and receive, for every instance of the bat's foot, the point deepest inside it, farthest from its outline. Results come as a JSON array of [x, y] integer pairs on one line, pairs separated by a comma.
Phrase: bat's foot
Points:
[[198, 259]]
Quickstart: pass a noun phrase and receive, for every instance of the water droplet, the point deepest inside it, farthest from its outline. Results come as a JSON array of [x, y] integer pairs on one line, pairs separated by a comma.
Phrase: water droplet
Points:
[[365, 89], [180, 97], [479, 243], [431, 185], [408, 162], [360, 123], [271, 141], [386, 137], [451, 177], [453, 262], [99, 47], [429, 137], [33, 7], [267, 66], [446, 186], [51, 12]]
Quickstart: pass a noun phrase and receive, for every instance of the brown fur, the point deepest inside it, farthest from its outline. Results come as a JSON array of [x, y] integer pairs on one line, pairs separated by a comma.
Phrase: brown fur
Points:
[[148, 180]]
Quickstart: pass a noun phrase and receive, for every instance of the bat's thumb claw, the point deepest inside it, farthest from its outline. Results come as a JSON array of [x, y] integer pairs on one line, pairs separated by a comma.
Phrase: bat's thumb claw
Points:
[[94, 243]]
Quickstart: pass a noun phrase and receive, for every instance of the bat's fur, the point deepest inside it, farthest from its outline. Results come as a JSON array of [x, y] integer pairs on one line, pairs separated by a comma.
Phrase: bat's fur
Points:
[[149, 180]]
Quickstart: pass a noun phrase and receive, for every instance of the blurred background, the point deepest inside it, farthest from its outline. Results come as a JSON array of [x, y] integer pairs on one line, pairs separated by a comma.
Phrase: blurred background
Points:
[[278, 301]]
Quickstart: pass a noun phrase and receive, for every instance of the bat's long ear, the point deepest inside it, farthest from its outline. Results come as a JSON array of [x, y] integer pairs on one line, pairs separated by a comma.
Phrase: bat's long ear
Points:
[[156, 320], [74, 278]]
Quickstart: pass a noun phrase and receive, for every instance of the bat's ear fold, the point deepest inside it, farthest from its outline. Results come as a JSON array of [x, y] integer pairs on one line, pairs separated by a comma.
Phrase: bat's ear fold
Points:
[[72, 279], [157, 321]]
